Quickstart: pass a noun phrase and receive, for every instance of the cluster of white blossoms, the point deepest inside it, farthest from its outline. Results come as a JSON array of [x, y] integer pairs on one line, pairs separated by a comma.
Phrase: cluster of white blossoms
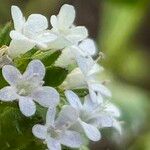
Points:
[[80, 117]]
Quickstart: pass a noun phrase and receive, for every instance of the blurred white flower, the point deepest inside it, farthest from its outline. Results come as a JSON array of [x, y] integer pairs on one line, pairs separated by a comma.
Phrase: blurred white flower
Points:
[[62, 25], [28, 33], [28, 87], [85, 48], [56, 130], [93, 116]]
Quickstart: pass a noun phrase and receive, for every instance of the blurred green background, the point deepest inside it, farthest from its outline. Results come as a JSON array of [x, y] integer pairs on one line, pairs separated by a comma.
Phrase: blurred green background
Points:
[[122, 31]]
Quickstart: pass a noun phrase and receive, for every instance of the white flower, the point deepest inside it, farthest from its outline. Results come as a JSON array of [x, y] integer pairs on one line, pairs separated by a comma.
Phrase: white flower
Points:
[[93, 116], [90, 68], [85, 77], [56, 130], [85, 48], [28, 33], [62, 25], [28, 87]]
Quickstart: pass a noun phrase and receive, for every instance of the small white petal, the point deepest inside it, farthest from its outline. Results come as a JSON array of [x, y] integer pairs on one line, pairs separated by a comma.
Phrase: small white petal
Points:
[[113, 110], [73, 99], [71, 139], [11, 74], [89, 105], [53, 144], [27, 106], [104, 120], [66, 16], [18, 47], [91, 132], [75, 80], [46, 96], [66, 58], [35, 24], [54, 21], [117, 126], [50, 116], [60, 43], [93, 95], [18, 18], [15, 35], [67, 117], [96, 68], [88, 46], [8, 93], [101, 88], [44, 38], [39, 131], [35, 68], [77, 34], [85, 64]]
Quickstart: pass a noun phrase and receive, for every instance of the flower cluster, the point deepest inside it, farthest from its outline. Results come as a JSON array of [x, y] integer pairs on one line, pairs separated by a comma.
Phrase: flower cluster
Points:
[[79, 117]]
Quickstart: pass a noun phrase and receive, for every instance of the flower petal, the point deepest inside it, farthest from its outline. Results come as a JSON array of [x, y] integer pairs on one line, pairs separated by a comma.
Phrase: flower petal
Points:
[[18, 18], [74, 80], [71, 139], [11, 74], [93, 95], [15, 35], [67, 117], [103, 121], [77, 34], [117, 126], [35, 24], [73, 99], [85, 64], [91, 132], [35, 69], [27, 106], [66, 58], [50, 116], [18, 47], [44, 38], [66, 16], [89, 105], [112, 109], [60, 43], [46, 96], [53, 144], [54, 22], [101, 88], [88, 46], [8, 93], [39, 131]]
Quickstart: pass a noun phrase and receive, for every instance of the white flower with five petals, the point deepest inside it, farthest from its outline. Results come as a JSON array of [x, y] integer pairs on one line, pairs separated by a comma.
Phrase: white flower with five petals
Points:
[[56, 130], [28, 33], [62, 25], [93, 116], [28, 87]]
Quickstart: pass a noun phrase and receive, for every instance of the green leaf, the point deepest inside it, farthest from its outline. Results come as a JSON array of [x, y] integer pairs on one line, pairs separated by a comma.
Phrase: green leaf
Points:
[[3, 82], [81, 92], [48, 58], [4, 34], [22, 61], [55, 76], [16, 129]]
